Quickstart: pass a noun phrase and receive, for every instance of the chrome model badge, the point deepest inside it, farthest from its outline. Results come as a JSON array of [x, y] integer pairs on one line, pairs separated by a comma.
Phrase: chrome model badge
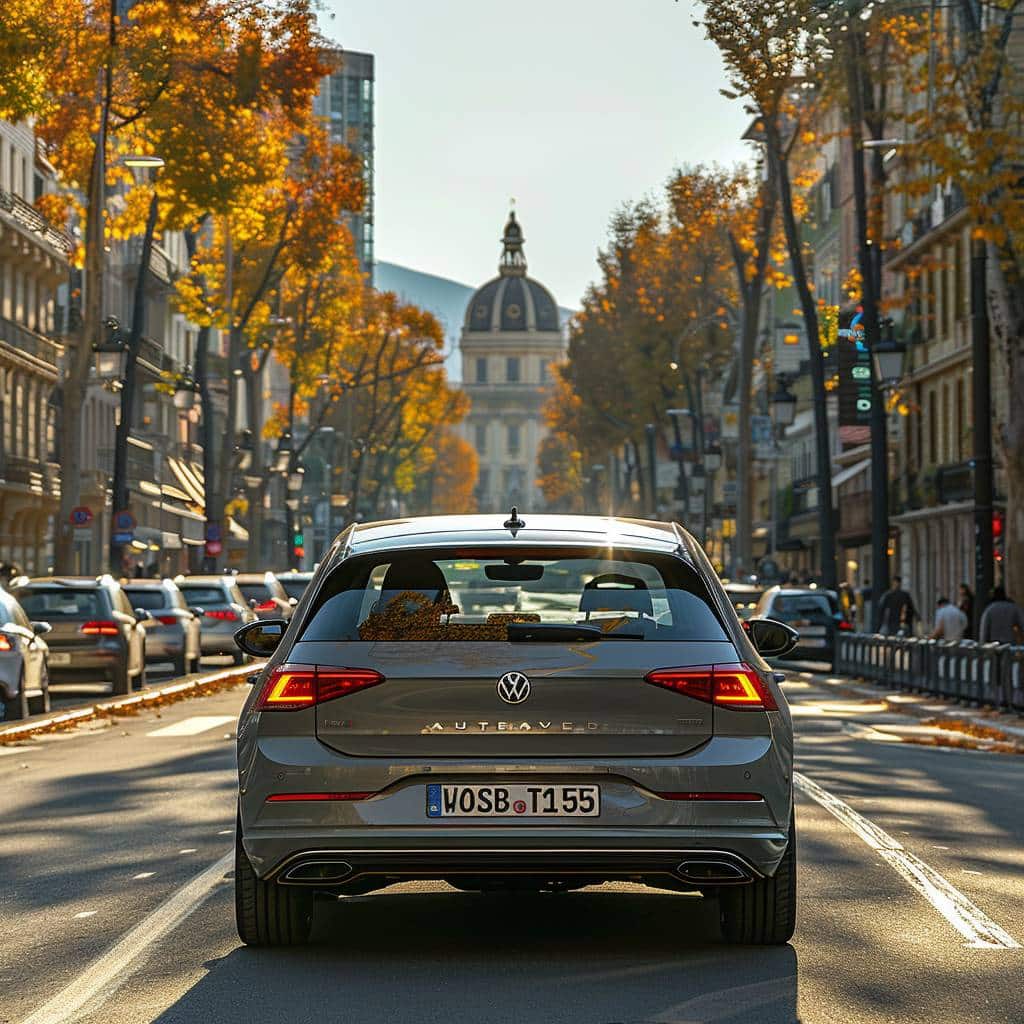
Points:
[[513, 687]]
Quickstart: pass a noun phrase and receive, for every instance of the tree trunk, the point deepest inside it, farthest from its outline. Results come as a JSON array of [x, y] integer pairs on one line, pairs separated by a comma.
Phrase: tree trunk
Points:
[[743, 550], [826, 515], [1006, 302]]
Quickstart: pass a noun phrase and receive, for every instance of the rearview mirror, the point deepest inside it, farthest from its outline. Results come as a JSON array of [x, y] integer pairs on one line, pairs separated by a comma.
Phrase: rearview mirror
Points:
[[514, 573], [771, 639], [260, 639]]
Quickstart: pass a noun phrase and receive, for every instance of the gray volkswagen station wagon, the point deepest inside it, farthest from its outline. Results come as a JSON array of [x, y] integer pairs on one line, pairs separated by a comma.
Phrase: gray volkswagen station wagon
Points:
[[542, 703]]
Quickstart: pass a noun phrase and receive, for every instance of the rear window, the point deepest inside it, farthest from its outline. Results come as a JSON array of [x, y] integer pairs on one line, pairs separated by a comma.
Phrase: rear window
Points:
[[513, 594], [797, 606], [60, 602], [255, 591], [199, 595], [294, 588], [149, 598]]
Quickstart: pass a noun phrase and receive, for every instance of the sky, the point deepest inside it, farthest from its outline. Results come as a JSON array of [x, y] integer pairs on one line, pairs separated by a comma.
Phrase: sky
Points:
[[572, 107]]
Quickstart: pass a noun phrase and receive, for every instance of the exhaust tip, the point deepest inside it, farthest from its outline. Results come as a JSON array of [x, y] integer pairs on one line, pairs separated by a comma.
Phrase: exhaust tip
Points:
[[712, 872], [318, 871]]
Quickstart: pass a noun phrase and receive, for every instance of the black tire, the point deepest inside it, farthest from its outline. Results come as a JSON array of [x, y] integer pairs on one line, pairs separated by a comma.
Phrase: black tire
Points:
[[268, 914], [764, 912], [141, 678], [239, 657], [194, 664], [43, 700], [181, 665], [17, 707], [120, 681]]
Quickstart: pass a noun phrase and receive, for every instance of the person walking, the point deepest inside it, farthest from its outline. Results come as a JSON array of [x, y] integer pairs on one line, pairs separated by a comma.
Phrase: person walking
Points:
[[967, 607], [896, 609], [1002, 622], [950, 621]]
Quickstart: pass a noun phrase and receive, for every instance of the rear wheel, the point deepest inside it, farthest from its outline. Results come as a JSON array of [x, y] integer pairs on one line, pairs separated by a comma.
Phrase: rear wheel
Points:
[[17, 706], [268, 914], [763, 913], [42, 702], [193, 664], [239, 658], [121, 682], [181, 665]]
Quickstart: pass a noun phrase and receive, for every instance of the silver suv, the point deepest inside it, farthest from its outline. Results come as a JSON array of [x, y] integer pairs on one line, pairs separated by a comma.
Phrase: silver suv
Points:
[[545, 704]]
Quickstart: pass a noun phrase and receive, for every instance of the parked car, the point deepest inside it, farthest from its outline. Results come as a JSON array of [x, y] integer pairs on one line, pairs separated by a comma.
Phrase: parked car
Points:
[[96, 631], [744, 597], [265, 594], [392, 735], [295, 583], [24, 675], [173, 632], [221, 608], [814, 613]]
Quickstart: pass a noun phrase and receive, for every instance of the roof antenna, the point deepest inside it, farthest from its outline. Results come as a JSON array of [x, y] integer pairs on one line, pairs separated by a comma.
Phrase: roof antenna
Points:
[[514, 523]]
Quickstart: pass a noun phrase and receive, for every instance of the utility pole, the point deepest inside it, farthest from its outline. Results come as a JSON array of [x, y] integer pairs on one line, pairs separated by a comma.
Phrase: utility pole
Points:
[[872, 327], [649, 432], [982, 417]]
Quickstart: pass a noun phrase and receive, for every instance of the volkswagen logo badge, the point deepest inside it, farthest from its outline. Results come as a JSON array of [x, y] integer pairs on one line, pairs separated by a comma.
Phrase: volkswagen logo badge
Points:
[[513, 687]]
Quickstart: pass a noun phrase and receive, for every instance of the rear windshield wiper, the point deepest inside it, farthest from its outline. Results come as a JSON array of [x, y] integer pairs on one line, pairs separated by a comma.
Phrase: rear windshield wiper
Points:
[[553, 632]]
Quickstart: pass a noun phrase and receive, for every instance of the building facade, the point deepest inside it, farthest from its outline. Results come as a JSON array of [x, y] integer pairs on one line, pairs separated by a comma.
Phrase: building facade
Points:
[[345, 105], [33, 267], [510, 337]]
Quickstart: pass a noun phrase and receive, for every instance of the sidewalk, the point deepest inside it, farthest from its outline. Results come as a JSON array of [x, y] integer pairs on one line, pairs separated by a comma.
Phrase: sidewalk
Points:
[[962, 726]]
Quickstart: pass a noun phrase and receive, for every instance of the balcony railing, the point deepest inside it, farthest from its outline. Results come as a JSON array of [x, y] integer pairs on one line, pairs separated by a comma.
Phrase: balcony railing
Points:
[[29, 217], [37, 475], [24, 339]]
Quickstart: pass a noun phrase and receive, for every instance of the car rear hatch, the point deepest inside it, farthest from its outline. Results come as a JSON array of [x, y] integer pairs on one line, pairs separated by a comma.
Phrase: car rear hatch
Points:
[[587, 699]]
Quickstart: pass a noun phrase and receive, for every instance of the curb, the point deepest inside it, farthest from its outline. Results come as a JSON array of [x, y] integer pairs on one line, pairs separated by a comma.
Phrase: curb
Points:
[[922, 706], [198, 686]]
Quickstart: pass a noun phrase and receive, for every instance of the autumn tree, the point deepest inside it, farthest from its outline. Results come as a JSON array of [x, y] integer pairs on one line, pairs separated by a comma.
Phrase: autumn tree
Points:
[[765, 51], [198, 81]]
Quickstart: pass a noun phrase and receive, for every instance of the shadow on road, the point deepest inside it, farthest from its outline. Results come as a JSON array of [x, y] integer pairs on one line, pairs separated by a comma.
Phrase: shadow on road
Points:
[[595, 957]]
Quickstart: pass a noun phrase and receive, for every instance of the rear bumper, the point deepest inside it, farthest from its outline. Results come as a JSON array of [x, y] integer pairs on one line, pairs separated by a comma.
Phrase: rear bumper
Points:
[[695, 865]]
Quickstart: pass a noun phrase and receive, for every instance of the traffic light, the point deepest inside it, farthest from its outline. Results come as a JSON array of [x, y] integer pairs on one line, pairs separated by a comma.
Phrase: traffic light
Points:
[[298, 545]]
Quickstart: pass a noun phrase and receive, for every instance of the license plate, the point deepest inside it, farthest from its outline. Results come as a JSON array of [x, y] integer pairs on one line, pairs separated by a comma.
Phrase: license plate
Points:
[[60, 659], [519, 801]]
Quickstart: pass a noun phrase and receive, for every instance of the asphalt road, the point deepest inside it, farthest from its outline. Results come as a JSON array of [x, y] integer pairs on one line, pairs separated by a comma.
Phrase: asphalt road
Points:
[[106, 830]]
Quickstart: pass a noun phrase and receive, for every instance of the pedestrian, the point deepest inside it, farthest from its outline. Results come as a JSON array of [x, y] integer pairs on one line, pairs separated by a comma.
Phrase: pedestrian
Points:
[[967, 607], [1002, 622], [950, 621], [896, 609]]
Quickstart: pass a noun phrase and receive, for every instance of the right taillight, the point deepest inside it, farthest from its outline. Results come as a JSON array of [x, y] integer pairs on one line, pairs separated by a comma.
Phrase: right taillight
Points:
[[224, 614], [100, 627], [166, 620], [292, 687], [5, 643], [732, 686]]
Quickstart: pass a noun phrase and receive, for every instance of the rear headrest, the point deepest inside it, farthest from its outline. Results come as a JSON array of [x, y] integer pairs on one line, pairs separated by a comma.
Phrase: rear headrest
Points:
[[418, 574], [615, 592]]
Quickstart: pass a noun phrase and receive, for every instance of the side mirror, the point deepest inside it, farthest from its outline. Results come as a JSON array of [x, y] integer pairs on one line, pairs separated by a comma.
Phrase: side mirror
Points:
[[293, 601], [253, 602], [198, 612], [41, 628], [143, 615], [260, 639], [771, 639]]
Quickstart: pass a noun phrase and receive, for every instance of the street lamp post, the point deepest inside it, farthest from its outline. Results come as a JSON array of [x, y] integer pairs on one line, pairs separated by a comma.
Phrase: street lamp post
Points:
[[981, 385], [119, 484], [782, 405]]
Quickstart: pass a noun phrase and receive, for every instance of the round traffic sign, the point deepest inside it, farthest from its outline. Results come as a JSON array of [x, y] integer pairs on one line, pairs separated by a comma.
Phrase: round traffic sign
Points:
[[124, 521], [81, 515], [214, 548]]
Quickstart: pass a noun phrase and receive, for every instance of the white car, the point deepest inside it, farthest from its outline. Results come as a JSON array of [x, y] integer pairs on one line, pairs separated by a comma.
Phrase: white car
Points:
[[24, 672]]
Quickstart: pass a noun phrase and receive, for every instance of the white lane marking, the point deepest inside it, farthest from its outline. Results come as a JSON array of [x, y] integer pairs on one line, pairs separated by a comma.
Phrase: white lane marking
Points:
[[194, 725], [143, 874], [970, 921], [188, 849], [66, 1004], [84, 913]]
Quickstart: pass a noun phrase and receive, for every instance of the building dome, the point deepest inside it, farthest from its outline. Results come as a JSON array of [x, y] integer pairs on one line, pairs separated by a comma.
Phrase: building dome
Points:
[[512, 301]]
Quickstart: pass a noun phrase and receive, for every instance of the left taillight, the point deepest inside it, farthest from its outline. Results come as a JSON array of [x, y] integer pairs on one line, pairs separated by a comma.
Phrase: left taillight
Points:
[[732, 686], [266, 606], [5, 643], [292, 687], [100, 627], [166, 620]]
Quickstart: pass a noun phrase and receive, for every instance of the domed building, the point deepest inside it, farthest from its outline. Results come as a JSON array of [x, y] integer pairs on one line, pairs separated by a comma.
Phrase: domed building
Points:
[[511, 335]]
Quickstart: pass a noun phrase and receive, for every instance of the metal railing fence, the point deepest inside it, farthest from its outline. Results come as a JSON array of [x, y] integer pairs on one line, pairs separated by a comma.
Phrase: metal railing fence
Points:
[[964, 671]]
